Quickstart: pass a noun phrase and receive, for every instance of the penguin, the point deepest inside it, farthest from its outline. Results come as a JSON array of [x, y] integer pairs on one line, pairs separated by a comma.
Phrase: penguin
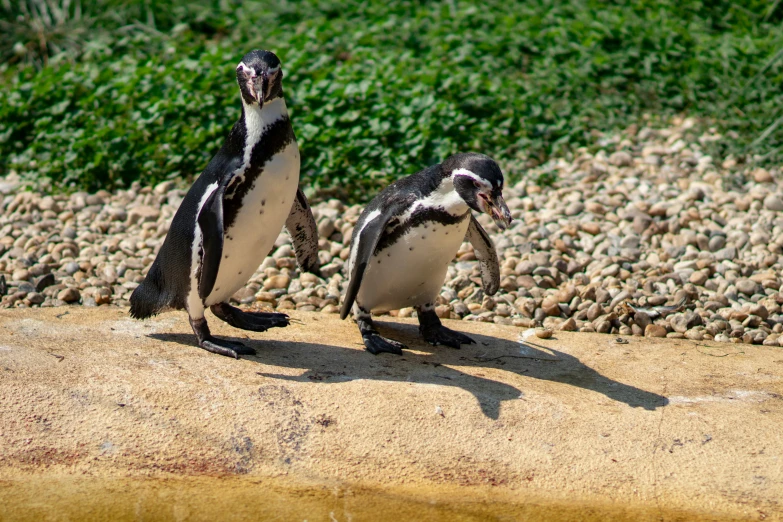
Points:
[[230, 218], [406, 237]]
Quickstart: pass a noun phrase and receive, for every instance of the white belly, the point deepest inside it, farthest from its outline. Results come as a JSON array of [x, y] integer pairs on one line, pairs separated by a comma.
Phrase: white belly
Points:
[[412, 271], [262, 215]]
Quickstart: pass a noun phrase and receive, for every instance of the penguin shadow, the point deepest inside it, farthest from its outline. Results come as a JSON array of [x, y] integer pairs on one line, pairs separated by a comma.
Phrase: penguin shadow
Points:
[[426, 364]]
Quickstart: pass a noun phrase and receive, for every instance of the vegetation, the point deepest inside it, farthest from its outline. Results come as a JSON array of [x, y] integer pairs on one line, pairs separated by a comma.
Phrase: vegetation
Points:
[[95, 96]]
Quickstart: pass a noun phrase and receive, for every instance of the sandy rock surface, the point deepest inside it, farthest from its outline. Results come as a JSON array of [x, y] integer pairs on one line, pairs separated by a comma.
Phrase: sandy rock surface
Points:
[[98, 411]]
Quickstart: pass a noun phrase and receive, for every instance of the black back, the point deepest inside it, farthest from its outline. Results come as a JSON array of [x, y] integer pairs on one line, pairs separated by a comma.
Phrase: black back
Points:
[[168, 280]]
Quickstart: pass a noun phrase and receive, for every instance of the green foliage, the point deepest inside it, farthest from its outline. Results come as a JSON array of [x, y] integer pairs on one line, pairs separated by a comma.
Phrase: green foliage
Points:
[[378, 90]]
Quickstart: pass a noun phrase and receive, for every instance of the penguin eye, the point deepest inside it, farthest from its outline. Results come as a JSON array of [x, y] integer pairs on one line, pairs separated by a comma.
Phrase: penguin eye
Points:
[[476, 184]]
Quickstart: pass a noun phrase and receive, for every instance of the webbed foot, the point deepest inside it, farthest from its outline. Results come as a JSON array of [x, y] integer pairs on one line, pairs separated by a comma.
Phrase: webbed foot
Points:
[[375, 344], [219, 346], [435, 333], [253, 321]]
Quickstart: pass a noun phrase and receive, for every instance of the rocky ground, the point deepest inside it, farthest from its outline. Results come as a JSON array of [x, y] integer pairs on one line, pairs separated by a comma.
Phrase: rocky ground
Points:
[[648, 236]]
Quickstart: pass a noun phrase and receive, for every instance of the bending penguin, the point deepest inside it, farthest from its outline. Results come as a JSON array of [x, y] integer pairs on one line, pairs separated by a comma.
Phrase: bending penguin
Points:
[[230, 218], [407, 236]]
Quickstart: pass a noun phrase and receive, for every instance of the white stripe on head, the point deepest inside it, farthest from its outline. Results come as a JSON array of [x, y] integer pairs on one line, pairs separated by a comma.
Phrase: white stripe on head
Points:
[[273, 70], [246, 69], [486, 185]]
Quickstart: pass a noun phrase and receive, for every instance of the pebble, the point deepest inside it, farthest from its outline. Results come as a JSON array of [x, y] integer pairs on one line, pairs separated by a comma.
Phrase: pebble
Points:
[[654, 330], [543, 333], [773, 202]]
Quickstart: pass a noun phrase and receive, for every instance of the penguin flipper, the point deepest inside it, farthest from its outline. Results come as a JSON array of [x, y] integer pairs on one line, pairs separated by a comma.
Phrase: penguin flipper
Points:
[[487, 256], [210, 221], [363, 246], [304, 234]]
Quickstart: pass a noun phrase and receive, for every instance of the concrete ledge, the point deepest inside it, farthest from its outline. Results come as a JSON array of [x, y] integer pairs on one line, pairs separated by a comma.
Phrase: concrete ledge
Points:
[[126, 419]]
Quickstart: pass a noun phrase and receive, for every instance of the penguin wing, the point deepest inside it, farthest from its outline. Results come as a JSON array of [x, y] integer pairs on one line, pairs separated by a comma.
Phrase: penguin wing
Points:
[[304, 234], [363, 246], [486, 255], [210, 221]]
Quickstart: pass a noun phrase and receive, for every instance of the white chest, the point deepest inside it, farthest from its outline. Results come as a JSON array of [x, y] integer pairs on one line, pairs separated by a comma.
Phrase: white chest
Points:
[[262, 214], [411, 271]]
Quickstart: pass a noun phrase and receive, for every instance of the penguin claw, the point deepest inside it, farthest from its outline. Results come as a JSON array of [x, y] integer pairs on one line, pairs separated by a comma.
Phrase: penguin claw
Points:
[[376, 344], [446, 337], [228, 348]]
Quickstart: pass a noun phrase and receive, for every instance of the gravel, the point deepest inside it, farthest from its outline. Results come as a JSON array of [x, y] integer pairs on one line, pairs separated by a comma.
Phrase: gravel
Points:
[[648, 220]]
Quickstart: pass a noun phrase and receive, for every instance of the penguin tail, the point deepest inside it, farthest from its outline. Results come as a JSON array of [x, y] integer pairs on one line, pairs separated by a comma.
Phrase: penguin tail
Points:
[[148, 299]]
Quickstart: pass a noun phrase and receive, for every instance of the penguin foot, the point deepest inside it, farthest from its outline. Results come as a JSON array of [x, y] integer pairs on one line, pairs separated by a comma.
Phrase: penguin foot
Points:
[[446, 337], [253, 321], [228, 348], [375, 344], [435, 333], [213, 344]]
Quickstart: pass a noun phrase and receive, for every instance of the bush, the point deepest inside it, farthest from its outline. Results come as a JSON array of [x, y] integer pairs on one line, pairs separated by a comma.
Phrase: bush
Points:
[[381, 89]]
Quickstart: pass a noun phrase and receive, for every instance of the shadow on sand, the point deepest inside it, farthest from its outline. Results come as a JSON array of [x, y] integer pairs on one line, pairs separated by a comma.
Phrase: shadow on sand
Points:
[[433, 365]]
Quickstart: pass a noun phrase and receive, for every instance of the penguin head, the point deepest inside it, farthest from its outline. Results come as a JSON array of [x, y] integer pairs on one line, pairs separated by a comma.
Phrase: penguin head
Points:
[[479, 181], [260, 77]]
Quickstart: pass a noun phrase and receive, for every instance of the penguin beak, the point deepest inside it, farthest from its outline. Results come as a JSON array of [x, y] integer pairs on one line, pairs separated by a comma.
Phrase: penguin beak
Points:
[[497, 209], [261, 86]]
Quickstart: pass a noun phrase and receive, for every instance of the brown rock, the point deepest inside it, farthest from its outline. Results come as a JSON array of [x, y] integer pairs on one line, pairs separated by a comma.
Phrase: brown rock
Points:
[[69, 295], [595, 311], [569, 325], [550, 307], [654, 330], [543, 333], [591, 228], [277, 282], [143, 214], [762, 176]]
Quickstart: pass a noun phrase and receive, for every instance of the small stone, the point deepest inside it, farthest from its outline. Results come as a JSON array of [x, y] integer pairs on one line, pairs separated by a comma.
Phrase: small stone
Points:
[[35, 298], [699, 278], [20, 275], [143, 214], [71, 268], [44, 282], [773, 202], [245, 295], [69, 295], [574, 208], [443, 311], [595, 311], [653, 159], [654, 330], [569, 325], [621, 159], [726, 254], [591, 228], [603, 327], [330, 309], [762, 176], [278, 281], [550, 307], [543, 333], [525, 267], [330, 269], [746, 286]]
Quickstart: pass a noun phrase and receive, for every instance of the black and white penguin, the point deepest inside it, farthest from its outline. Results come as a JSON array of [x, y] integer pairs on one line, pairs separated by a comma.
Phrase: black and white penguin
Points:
[[407, 236], [230, 218]]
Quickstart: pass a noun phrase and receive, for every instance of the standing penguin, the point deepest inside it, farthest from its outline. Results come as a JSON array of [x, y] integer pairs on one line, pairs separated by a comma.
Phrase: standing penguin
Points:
[[230, 218], [406, 237]]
